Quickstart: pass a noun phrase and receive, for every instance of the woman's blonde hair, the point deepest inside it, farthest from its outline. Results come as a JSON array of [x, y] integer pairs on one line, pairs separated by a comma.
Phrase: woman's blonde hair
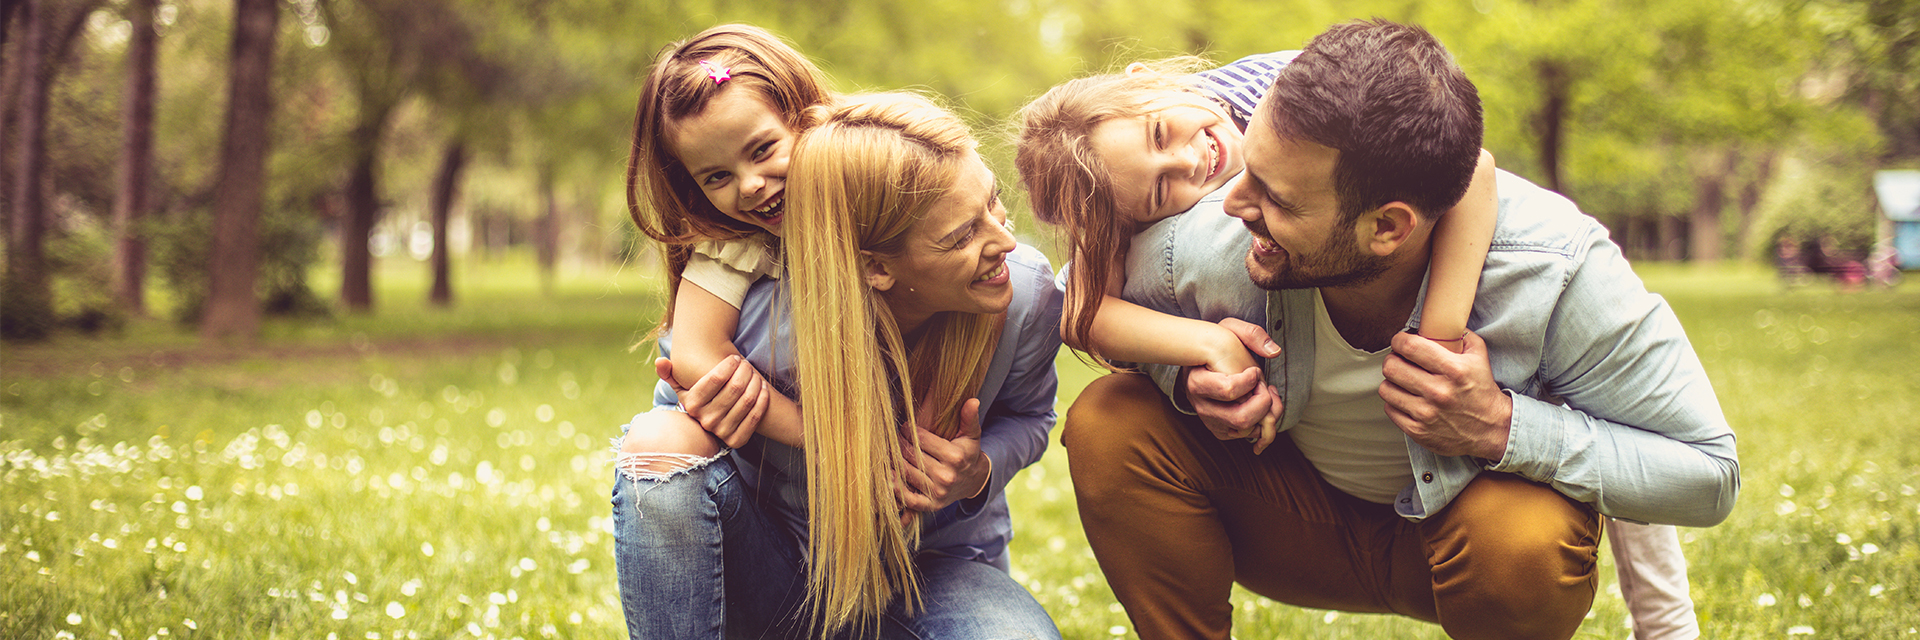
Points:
[[859, 181], [1069, 186], [662, 198]]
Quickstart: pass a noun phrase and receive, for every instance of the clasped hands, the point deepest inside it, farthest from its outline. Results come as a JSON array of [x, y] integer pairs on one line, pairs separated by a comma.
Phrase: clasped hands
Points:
[[1448, 403], [730, 400]]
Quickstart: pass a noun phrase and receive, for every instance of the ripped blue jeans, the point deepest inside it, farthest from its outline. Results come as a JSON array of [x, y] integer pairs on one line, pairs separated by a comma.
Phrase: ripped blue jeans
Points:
[[701, 556]]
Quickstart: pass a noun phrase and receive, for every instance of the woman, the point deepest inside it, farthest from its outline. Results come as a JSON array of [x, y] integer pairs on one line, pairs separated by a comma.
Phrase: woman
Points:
[[923, 337]]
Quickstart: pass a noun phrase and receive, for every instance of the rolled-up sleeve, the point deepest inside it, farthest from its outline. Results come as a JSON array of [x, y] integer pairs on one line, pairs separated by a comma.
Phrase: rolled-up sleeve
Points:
[[1641, 435]]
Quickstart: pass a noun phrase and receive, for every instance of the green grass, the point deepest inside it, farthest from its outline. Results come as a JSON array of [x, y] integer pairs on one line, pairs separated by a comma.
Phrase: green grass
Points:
[[432, 473]]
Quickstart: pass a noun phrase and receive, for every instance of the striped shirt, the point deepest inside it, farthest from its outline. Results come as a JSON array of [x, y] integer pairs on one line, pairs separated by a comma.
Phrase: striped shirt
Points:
[[1241, 84]]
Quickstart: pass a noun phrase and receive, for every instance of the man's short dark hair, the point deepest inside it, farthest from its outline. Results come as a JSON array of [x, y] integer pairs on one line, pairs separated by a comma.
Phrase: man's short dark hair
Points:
[[1393, 102]]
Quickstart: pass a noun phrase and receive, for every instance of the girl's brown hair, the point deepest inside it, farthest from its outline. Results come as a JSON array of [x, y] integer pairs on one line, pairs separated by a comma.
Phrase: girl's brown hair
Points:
[[661, 196], [1069, 186]]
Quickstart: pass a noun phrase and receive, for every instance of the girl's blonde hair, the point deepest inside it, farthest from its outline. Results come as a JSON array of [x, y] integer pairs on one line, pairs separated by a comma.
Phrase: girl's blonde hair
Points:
[[860, 180], [662, 198], [1069, 186]]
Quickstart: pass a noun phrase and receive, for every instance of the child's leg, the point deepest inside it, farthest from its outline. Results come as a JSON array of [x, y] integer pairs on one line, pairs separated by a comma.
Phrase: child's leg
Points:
[[1653, 579]]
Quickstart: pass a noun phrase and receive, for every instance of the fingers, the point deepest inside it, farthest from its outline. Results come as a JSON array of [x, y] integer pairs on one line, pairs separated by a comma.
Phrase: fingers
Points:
[[970, 419], [1252, 336], [1269, 425], [663, 368], [1221, 387], [743, 417]]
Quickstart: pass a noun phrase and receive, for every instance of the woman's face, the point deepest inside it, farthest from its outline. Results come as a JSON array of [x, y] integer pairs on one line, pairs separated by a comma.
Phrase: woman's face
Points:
[[955, 257], [1163, 162], [736, 150]]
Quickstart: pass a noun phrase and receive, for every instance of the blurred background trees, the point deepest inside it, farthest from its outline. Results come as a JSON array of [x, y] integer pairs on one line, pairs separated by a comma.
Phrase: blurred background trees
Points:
[[451, 130]]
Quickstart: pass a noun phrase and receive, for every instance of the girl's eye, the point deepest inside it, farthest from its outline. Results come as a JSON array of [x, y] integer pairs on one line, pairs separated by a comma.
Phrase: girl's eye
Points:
[[716, 177], [762, 151], [1159, 191]]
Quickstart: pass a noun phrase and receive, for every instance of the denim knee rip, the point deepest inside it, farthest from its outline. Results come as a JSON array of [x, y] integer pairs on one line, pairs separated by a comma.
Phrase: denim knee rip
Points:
[[658, 467]]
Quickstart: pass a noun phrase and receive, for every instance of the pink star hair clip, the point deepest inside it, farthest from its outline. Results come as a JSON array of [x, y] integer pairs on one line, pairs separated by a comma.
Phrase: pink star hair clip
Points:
[[718, 73]]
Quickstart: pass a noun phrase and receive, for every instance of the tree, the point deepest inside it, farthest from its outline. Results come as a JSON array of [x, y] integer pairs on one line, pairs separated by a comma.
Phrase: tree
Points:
[[133, 202], [233, 308], [446, 184], [50, 28]]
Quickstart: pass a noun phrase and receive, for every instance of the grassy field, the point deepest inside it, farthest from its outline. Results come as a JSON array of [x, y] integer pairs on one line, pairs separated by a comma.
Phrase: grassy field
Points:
[[443, 473]]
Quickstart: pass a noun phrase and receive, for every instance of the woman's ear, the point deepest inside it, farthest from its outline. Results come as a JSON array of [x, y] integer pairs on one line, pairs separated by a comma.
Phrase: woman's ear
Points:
[[874, 271], [1135, 68]]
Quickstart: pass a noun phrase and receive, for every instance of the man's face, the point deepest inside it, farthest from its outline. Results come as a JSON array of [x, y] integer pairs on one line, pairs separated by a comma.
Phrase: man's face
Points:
[[1287, 201]]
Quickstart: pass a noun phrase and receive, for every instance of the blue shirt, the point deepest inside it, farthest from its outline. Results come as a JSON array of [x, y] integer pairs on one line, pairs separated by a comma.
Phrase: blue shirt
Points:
[[1610, 404], [1016, 409]]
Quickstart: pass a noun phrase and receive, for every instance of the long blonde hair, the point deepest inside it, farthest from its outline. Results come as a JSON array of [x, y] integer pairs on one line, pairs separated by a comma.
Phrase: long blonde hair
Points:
[[859, 181], [662, 198], [1069, 186]]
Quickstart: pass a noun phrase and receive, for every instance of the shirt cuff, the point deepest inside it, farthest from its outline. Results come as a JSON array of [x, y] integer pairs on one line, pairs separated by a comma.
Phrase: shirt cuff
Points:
[[1533, 441]]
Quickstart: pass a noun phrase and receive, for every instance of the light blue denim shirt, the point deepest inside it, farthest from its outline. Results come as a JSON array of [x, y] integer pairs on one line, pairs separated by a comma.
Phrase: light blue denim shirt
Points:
[[1016, 400], [1610, 404]]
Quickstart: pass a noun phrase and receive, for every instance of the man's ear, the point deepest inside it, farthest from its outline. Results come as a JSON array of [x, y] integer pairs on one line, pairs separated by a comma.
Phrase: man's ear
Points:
[[874, 271], [1386, 229]]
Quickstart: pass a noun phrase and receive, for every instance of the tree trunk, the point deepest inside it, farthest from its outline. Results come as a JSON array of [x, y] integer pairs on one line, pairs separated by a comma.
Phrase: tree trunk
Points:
[[233, 306], [445, 187], [134, 200], [1550, 122], [1705, 240], [546, 234], [1671, 233], [363, 209], [27, 290], [1750, 194]]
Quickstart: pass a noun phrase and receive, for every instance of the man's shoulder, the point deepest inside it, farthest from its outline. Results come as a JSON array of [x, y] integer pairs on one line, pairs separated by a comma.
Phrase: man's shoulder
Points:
[[1535, 220]]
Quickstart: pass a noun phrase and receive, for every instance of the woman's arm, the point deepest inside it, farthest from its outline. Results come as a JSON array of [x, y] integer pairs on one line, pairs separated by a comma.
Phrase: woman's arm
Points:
[[1459, 251]]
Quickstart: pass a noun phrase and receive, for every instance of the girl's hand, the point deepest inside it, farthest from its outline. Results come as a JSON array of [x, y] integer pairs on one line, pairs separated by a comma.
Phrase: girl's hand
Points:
[[1230, 348], [941, 472], [728, 401]]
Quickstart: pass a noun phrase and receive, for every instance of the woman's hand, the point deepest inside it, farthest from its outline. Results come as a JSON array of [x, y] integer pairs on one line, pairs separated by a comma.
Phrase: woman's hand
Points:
[[728, 402], [942, 472]]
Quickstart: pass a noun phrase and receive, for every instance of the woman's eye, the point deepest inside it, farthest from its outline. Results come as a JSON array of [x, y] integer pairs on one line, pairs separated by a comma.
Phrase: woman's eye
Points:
[[1158, 135]]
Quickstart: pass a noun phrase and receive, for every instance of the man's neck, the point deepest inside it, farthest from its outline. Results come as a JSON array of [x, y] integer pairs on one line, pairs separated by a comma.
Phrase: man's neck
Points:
[[1367, 315]]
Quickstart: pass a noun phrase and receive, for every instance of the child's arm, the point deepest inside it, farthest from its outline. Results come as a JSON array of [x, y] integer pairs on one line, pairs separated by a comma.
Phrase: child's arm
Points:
[[1128, 332], [703, 328], [1459, 251]]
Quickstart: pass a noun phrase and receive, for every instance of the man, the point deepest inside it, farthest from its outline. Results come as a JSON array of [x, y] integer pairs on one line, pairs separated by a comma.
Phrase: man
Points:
[[1464, 489]]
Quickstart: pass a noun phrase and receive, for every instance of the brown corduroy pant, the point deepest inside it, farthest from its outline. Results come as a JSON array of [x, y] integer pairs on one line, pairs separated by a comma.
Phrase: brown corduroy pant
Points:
[[1176, 517]]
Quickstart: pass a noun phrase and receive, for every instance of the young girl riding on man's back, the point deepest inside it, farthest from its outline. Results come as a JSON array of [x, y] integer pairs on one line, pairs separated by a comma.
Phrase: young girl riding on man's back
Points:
[[1107, 156]]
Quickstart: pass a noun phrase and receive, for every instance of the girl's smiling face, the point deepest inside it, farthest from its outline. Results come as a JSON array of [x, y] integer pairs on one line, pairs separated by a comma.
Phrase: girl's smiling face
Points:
[[1163, 162], [736, 150]]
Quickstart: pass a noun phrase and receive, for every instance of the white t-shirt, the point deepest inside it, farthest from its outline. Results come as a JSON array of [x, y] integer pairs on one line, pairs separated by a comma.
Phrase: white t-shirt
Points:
[[1344, 431], [726, 268]]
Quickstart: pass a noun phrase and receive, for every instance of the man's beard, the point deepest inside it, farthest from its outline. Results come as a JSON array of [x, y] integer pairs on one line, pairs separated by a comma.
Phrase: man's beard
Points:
[[1334, 264]]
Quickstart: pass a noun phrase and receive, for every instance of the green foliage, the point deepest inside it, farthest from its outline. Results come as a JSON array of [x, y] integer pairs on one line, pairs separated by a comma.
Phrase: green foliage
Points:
[[1814, 200]]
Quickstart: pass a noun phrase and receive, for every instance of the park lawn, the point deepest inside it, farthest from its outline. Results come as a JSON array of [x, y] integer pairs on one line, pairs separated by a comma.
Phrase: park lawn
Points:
[[443, 473]]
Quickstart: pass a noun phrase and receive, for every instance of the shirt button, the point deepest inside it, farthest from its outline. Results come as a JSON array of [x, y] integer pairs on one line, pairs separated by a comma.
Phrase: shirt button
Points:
[[1427, 477]]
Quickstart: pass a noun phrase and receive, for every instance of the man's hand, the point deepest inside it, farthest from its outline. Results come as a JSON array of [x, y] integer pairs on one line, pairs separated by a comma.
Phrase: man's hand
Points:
[[941, 472], [1447, 402], [728, 402], [1238, 405]]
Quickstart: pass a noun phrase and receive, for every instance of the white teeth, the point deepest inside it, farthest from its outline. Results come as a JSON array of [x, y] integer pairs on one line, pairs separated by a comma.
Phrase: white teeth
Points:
[[993, 274], [1213, 146], [771, 205]]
